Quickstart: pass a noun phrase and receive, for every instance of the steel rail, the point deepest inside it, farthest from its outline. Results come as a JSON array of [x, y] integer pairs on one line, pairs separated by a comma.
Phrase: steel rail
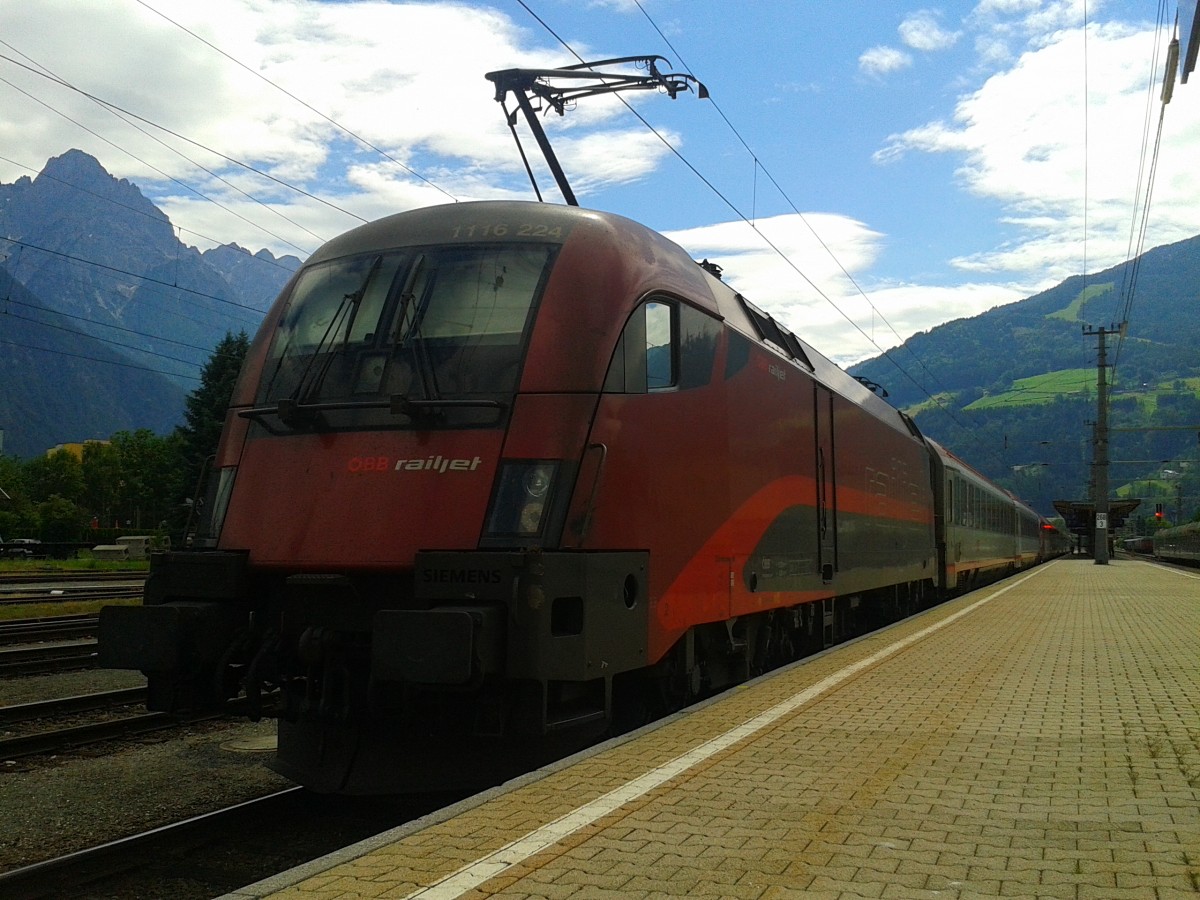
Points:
[[80, 735], [44, 709], [70, 593], [64, 875], [54, 658], [51, 576], [48, 628]]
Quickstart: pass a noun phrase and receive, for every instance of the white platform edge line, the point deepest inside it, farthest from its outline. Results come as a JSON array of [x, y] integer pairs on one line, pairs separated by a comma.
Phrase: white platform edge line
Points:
[[475, 874]]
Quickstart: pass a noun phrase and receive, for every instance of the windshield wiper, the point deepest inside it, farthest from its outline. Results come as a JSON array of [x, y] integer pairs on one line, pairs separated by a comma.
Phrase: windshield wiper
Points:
[[408, 324], [347, 309], [399, 404]]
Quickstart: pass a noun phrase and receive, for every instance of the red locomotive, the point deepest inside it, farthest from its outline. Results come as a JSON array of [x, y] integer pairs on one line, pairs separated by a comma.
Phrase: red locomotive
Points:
[[498, 474]]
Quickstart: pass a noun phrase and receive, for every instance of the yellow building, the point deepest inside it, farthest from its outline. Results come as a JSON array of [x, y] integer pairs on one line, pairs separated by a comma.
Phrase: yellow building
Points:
[[76, 450]]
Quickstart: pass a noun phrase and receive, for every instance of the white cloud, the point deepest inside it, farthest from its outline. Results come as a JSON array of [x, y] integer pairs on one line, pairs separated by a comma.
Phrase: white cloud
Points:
[[921, 31], [621, 6], [992, 50], [812, 293], [883, 60], [1050, 165], [820, 245], [390, 74], [1006, 7], [1032, 17], [408, 78]]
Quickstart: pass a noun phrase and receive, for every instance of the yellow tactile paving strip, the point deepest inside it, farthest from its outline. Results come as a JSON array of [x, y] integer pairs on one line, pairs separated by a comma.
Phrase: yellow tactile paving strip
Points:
[[1044, 744]]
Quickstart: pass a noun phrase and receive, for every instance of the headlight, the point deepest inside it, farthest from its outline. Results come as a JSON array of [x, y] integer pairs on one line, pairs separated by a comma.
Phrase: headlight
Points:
[[524, 491]]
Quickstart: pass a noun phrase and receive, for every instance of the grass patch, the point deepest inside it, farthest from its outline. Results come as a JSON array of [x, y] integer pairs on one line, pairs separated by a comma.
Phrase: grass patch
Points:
[[1039, 389], [63, 608], [1147, 396], [82, 564], [1091, 292], [937, 400]]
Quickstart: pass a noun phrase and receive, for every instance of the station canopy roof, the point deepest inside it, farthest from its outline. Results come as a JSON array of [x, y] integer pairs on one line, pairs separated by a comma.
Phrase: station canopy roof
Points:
[[1080, 515]]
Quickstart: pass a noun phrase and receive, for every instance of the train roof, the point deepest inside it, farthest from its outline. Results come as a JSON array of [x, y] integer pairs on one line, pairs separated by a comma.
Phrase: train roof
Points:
[[523, 219], [951, 459], [469, 221]]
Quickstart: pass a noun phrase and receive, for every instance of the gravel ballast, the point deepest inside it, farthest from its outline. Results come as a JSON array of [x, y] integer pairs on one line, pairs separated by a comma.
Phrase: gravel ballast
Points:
[[51, 806]]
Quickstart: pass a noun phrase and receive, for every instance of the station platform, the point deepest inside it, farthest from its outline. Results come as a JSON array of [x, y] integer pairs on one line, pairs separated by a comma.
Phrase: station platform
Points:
[[1037, 738]]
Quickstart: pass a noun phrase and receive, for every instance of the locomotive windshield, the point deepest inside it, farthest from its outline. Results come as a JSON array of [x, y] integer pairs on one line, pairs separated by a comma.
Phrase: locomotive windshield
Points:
[[437, 329]]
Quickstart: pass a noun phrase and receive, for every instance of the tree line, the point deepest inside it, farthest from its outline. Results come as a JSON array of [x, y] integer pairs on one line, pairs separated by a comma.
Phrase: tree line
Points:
[[135, 482]]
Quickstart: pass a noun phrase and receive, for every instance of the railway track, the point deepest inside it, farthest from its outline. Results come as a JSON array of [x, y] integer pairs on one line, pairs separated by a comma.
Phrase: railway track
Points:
[[47, 628], [67, 875], [15, 598], [216, 852], [49, 587], [82, 703], [52, 736], [53, 726], [11, 578], [47, 658], [47, 644]]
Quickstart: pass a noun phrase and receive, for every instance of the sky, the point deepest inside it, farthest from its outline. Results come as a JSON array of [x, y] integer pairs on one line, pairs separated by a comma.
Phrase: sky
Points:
[[862, 169]]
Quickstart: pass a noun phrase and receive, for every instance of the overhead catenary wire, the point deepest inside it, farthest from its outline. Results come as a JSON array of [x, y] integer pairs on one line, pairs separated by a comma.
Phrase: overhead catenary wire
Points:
[[274, 261], [361, 140], [110, 362], [150, 165], [106, 325], [1139, 224], [256, 313], [1134, 254], [756, 161], [126, 115], [748, 220], [149, 278], [133, 347]]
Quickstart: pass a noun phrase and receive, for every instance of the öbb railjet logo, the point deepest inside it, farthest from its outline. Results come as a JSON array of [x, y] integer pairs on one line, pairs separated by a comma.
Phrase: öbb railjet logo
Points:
[[436, 464]]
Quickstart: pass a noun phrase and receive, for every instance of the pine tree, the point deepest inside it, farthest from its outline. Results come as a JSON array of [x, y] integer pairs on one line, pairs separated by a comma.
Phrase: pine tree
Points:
[[206, 407]]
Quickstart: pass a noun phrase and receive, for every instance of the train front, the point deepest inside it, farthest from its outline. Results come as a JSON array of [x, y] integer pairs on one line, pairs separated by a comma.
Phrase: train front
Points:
[[380, 566]]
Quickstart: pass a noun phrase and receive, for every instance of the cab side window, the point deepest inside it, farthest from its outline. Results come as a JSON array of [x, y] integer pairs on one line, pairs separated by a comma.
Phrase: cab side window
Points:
[[665, 345], [699, 334], [644, 359], [661, 345]]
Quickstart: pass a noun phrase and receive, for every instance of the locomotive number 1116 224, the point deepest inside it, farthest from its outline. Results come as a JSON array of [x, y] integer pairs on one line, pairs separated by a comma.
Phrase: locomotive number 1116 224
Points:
[[506, 229]]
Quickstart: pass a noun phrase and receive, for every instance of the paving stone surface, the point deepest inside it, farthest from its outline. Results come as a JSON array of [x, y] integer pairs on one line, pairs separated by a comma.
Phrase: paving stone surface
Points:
[[1040, 738]]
